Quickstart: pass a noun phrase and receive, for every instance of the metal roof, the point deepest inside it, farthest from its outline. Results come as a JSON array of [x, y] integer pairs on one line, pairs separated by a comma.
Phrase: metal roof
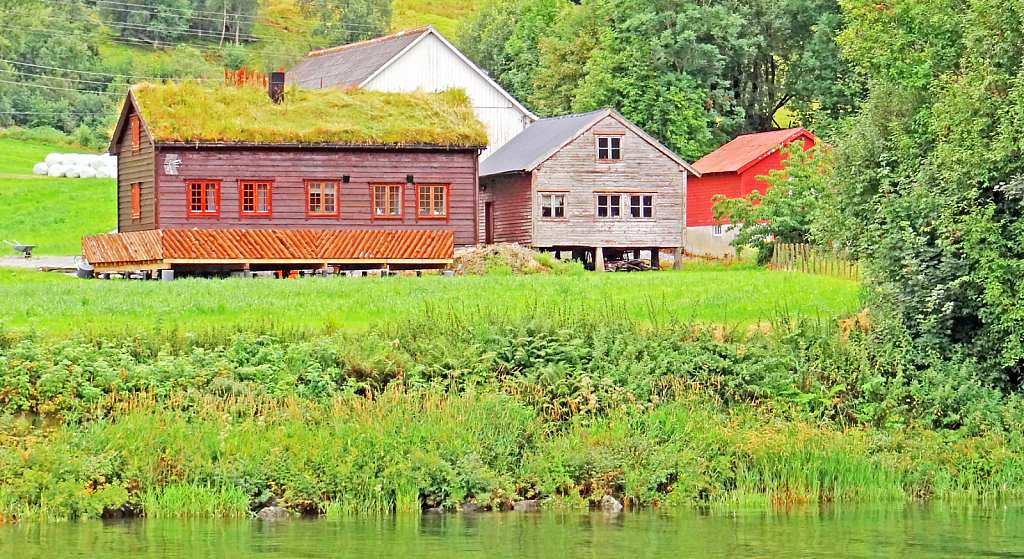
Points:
[[349, 65], [744, 151], [547, 136], [255, 245]]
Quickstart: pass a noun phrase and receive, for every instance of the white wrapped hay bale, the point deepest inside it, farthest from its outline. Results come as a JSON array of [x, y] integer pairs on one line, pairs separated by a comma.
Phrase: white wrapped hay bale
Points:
[[40, 169], [86, 173], [54, 158], [103, 173], [56, 170], [73, 171]]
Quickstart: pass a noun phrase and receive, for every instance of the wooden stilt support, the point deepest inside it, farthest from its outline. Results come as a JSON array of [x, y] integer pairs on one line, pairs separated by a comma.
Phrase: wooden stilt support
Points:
[[656, 258], [677, 258], [599, 259]]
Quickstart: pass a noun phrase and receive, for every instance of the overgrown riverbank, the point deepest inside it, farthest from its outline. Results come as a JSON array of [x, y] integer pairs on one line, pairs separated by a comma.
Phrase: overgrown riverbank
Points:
[[430, 412]]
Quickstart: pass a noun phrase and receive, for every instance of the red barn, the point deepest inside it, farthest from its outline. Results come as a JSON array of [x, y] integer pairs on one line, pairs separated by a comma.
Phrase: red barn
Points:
[[732, 171]]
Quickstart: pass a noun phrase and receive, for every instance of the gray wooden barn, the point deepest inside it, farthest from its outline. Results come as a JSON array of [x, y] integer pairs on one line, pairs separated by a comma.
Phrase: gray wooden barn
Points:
[[593, 183]]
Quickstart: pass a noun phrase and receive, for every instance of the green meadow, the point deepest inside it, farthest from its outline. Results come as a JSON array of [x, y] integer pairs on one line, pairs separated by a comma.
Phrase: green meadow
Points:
[[708, 294]]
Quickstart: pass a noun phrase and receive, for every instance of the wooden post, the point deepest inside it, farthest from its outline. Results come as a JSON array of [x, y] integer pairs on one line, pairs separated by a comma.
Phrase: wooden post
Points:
[[598, 259], [656, 258], [677, 258]]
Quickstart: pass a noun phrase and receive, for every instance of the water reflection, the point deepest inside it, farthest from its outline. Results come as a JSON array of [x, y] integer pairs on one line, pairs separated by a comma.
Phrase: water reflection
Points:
[[911, 532]]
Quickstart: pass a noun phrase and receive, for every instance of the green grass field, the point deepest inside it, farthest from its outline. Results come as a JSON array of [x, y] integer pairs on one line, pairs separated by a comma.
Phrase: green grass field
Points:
[[731, 296], [52, 214]]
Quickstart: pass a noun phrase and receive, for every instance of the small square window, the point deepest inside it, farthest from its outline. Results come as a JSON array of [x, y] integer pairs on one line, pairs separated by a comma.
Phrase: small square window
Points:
[[609, 205], [387, 200], [641, 206], [255, 198], [433, 201], [552, 205], [716, 230], [609, 148], [204, 198], [322, 198]]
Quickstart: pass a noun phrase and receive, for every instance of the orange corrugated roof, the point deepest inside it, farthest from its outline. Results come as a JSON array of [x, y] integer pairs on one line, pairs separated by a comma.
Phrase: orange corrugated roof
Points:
[[744, 151], [243, 245]]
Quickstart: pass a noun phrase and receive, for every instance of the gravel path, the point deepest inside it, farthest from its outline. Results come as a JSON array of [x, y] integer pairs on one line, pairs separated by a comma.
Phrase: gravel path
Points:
[[37, 262]]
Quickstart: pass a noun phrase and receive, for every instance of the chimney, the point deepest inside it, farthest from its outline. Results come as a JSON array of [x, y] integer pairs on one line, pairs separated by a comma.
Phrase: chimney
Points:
[[276, 88]]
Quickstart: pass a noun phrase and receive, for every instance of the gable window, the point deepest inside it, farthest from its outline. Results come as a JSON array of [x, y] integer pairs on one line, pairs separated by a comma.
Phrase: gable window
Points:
[[433, 201], [716, 231], [255, 197], [136, 134], [641, 206], [552, 205], [387, 200], [136, 201], [609, 205], [203, 198], [321, 198], [609, 148]]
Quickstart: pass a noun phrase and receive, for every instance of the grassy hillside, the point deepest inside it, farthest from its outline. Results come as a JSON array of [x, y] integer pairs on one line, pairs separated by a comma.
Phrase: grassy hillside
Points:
[[50, 213], [445, 15]]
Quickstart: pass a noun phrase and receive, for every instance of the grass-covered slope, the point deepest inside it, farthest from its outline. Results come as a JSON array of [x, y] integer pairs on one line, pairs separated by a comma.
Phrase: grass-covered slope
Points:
[[190, 112], [444, 15], [51, 213]]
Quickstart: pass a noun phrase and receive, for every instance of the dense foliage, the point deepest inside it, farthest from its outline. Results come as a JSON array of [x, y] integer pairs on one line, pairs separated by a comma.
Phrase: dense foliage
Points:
[[694, 74], [425, 413]]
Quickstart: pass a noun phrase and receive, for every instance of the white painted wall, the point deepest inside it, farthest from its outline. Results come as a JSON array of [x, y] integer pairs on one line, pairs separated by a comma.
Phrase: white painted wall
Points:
[[429, 65], [702, 241]]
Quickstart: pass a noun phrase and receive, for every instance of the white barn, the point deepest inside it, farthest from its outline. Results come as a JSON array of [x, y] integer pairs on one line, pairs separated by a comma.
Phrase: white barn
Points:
[[418, 59]]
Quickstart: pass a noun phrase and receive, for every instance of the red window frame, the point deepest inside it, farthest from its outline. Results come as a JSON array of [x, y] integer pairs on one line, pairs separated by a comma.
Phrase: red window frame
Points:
[[433, 188], [136, 201], [387, 206], [256, 212], [136, 134], [203, 198], [309, 204]]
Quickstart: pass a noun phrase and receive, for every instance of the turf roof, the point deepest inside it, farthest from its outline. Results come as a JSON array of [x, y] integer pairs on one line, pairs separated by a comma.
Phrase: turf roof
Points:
[[191, 112]]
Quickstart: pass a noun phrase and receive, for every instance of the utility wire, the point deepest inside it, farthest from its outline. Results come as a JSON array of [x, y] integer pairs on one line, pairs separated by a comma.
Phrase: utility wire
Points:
[[60, 88], [64, 78], [107, 74], [219, 16]]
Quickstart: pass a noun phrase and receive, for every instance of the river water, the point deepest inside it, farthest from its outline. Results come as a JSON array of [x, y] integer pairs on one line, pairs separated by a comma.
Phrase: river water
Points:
[[912, 532]]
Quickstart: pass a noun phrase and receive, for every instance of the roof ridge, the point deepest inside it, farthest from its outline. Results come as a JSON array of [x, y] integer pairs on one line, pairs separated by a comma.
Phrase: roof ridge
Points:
[[375, 40], [574, 115]]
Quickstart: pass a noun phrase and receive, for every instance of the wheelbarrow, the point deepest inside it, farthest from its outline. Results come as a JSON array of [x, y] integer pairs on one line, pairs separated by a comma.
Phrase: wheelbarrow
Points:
[[24, 249]]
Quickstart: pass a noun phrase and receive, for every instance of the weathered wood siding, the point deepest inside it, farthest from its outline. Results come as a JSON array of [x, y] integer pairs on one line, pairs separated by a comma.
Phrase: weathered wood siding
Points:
[[575, 171], [288, 169], [510, 197], [430, 65], [135, 168]]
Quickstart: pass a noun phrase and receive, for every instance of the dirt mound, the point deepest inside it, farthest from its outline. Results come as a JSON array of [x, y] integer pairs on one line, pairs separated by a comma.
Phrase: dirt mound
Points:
[[498, 258]]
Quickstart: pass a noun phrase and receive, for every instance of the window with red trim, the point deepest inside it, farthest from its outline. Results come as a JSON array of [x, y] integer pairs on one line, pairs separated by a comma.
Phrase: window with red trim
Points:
[[136, 134], [321, 198], [203, 198], [255, 197], [387, 200], [136, 201], [433, 201]]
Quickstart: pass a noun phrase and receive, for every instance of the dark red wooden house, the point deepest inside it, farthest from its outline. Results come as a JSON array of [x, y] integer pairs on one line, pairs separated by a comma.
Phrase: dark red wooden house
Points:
[[732, 171], [225, 179]]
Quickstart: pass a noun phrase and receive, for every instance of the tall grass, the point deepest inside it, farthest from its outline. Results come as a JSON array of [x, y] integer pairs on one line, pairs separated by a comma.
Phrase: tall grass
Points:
[[195, 501]]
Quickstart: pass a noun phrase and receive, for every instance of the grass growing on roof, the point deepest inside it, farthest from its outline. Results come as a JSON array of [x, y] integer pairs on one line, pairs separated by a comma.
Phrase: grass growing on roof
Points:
[[190, 112]]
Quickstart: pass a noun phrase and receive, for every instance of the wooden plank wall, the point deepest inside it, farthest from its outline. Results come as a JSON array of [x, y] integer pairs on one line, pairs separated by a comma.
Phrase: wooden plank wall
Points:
[[510, 196], [290, 168], [643, 168], [135, 168]]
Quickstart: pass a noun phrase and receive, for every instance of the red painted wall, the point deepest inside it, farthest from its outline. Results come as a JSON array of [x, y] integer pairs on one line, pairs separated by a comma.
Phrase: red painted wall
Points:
[[732, 185], [290, 168], [511, 200]]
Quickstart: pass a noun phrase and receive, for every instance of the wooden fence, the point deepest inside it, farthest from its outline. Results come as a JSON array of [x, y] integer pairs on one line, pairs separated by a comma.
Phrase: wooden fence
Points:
[[814, 260]]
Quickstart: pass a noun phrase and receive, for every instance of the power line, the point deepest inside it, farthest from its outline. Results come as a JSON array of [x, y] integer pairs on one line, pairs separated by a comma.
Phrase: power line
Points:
[[63, 78], [109, 75], [61, 88], [47, 113], [219, 18]]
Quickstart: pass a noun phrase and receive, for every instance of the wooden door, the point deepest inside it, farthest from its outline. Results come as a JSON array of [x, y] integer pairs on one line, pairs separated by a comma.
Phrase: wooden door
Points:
[[488, 222]]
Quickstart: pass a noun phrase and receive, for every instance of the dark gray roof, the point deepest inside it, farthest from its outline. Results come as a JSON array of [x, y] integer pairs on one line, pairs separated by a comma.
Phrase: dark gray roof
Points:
[[537, 142], [349, 65]]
